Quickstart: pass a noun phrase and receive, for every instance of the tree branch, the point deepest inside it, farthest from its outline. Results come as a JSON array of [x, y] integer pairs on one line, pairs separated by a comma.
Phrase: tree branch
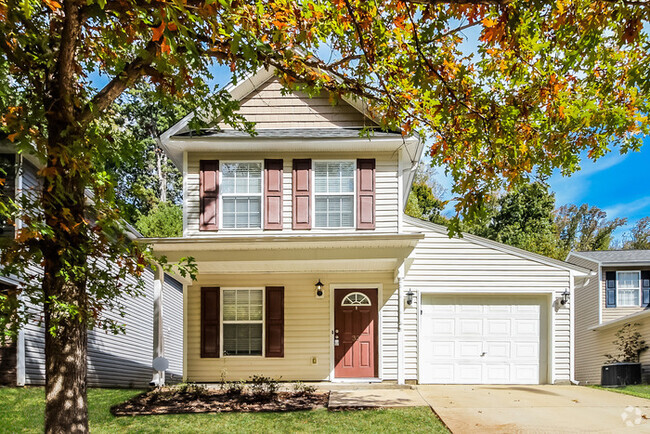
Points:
[[125, 79], [65, 65]]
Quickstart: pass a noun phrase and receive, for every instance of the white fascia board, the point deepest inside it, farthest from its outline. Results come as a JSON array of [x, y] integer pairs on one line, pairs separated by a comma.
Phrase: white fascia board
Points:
[[622, 320], [578, 271], [577, 255], [412, 160]]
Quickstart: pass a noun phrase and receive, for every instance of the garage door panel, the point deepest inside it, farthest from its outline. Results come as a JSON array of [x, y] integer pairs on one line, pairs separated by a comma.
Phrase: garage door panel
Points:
[[480, 339], [470, 327]]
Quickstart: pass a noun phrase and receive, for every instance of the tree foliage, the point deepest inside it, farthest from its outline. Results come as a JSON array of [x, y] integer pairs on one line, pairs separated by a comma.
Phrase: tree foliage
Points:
[[546, 82], [639, 236], [584, 228], [163, 220]]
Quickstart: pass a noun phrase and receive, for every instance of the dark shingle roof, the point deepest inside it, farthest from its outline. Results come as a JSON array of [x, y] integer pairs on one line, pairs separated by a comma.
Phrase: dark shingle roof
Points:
[[617, 256], [302, 133]]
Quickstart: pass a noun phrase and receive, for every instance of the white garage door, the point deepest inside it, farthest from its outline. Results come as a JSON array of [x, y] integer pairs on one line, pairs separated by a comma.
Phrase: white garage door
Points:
[[480, 340]]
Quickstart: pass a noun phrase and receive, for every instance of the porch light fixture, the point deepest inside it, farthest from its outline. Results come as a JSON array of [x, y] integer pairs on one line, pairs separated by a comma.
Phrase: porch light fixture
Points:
[[319, 288], [409, 297], [565, 297]]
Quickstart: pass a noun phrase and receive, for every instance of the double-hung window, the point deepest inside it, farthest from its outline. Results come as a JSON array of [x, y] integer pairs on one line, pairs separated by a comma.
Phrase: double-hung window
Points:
[[628, 288], [334, 194], [243, 322], [241, 195]]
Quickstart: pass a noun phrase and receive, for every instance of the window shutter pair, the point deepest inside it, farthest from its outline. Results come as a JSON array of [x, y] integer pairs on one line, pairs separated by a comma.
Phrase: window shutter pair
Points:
[[211, 319], [302, 193], [209, 195]]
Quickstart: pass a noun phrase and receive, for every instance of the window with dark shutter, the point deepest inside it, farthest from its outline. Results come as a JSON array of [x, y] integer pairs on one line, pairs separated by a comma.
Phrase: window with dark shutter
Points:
[[274, 321], [366, 193], [610, 289], [209, 195], [273, 194], [301, 209], [210, 331]]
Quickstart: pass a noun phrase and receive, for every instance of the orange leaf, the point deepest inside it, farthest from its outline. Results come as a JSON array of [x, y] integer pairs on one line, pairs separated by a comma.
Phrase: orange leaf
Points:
[[53, 4], [164, 47], [12, 137], [158, 31], [172, 27]]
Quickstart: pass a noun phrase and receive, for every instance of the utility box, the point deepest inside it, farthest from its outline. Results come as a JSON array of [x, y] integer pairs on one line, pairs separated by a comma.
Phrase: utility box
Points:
[[620, 374]]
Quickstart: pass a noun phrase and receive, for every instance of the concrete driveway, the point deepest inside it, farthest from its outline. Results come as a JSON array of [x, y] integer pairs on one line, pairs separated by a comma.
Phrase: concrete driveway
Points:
[[537, 409]]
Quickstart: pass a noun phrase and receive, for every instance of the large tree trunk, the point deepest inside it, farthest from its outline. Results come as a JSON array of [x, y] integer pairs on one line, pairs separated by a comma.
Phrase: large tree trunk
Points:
[[64, 281]]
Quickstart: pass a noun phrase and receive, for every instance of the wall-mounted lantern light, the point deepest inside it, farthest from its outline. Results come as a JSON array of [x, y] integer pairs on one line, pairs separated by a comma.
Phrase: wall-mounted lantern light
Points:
[[319, 289], [409, 298], [565, 297]]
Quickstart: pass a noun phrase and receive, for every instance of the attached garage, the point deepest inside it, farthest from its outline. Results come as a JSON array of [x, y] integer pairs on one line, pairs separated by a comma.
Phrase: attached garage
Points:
[[483, 339]]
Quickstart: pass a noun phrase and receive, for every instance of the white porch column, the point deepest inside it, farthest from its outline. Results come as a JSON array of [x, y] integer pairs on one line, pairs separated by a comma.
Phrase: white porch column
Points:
[[158, 331], [20, 338], [400, 325]]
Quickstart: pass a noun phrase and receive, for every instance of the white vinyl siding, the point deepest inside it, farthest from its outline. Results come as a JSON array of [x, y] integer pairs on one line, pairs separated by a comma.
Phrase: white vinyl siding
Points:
[[334, 194], [240, 192], [307, 327], [455, 265], [628, 288], [386, 184]]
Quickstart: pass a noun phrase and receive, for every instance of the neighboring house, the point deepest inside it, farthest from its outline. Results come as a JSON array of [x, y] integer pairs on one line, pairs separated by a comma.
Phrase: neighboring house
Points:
[[309, 269], [113, 360], [618, 295]]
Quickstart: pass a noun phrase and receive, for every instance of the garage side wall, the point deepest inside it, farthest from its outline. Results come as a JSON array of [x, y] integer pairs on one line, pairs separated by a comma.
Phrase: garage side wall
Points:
[[456, 265]]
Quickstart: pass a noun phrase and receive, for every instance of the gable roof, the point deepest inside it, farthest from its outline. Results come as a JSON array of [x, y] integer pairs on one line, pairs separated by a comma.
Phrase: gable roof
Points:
[[501, 247], [615, 257]]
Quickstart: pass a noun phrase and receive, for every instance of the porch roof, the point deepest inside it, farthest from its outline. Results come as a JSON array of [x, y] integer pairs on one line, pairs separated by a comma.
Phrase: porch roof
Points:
[[227, 254]]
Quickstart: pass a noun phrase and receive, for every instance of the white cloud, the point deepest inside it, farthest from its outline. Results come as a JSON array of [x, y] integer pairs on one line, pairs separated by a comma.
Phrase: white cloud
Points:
[[627, 209]]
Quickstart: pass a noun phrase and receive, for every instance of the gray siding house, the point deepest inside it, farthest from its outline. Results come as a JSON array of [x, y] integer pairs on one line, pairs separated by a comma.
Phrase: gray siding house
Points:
[[617, 294], [123, 360]]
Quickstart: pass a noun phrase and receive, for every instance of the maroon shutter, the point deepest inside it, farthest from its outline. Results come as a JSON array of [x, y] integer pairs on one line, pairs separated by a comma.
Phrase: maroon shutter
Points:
[[366, 193], [274, 321], [209, 195], [273, 194], [302, 194], [210, 307]]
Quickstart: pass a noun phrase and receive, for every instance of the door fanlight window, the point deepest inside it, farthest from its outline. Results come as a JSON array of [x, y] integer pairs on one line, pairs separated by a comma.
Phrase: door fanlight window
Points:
[[356, 299]]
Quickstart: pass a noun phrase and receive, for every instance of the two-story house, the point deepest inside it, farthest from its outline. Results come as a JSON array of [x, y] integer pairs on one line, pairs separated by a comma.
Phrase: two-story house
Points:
[[619, 295], [309, 269]]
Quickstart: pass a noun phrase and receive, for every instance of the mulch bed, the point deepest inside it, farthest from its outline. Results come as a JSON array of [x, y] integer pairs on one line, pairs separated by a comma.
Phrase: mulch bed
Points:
[[169, 401]]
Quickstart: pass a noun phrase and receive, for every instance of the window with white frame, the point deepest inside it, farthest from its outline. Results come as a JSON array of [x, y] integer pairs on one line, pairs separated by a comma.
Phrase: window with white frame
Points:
[[241, 194], [243, 322], [628, 288], [334, 194]]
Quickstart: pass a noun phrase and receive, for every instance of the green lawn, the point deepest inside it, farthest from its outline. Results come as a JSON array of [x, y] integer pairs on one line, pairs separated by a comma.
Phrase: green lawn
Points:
[[21, 410], [640, 390]]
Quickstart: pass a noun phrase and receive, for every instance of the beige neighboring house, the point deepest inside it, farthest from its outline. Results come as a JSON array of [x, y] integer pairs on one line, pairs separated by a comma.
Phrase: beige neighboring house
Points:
[[619, 294], [309, 270]]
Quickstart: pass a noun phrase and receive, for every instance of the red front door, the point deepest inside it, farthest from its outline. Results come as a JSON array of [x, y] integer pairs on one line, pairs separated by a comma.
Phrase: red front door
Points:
[[355, 320]]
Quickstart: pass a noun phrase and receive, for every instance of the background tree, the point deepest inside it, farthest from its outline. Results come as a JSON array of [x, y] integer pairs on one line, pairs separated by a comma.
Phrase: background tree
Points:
[[424, 200], [547, 82], [639, 236], [165, 219], [584, 228], [524, 218]]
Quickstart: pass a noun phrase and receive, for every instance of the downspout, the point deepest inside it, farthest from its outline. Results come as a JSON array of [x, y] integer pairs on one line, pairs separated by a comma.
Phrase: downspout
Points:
[[158, 331], [400, 325], [20, 338]]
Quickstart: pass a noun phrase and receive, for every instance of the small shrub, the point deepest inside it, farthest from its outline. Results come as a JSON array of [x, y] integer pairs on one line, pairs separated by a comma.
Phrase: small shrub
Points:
[[629, 344], [263, 387], [302, 389], [233, 389], [190, 389]]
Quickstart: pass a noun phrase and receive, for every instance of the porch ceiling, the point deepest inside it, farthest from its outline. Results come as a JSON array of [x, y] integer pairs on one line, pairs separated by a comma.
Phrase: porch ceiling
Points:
[[290, 253]]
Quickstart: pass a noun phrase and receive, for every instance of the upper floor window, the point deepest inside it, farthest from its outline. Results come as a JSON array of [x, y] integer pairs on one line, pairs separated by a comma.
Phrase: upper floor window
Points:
[[334, 194], [628, 288], [241, 194]]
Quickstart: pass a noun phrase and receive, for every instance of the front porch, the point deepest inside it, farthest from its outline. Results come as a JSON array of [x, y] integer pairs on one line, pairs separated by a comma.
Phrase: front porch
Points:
[[235, 318]]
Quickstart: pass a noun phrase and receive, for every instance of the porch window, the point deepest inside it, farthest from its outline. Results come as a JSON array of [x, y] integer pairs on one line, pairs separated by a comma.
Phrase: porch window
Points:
[[628, 288], [241, 194], [243, 320], [334, 194]]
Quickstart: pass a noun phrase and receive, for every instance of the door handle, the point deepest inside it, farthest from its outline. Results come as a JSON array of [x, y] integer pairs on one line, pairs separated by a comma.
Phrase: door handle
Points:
[[483, 353]]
